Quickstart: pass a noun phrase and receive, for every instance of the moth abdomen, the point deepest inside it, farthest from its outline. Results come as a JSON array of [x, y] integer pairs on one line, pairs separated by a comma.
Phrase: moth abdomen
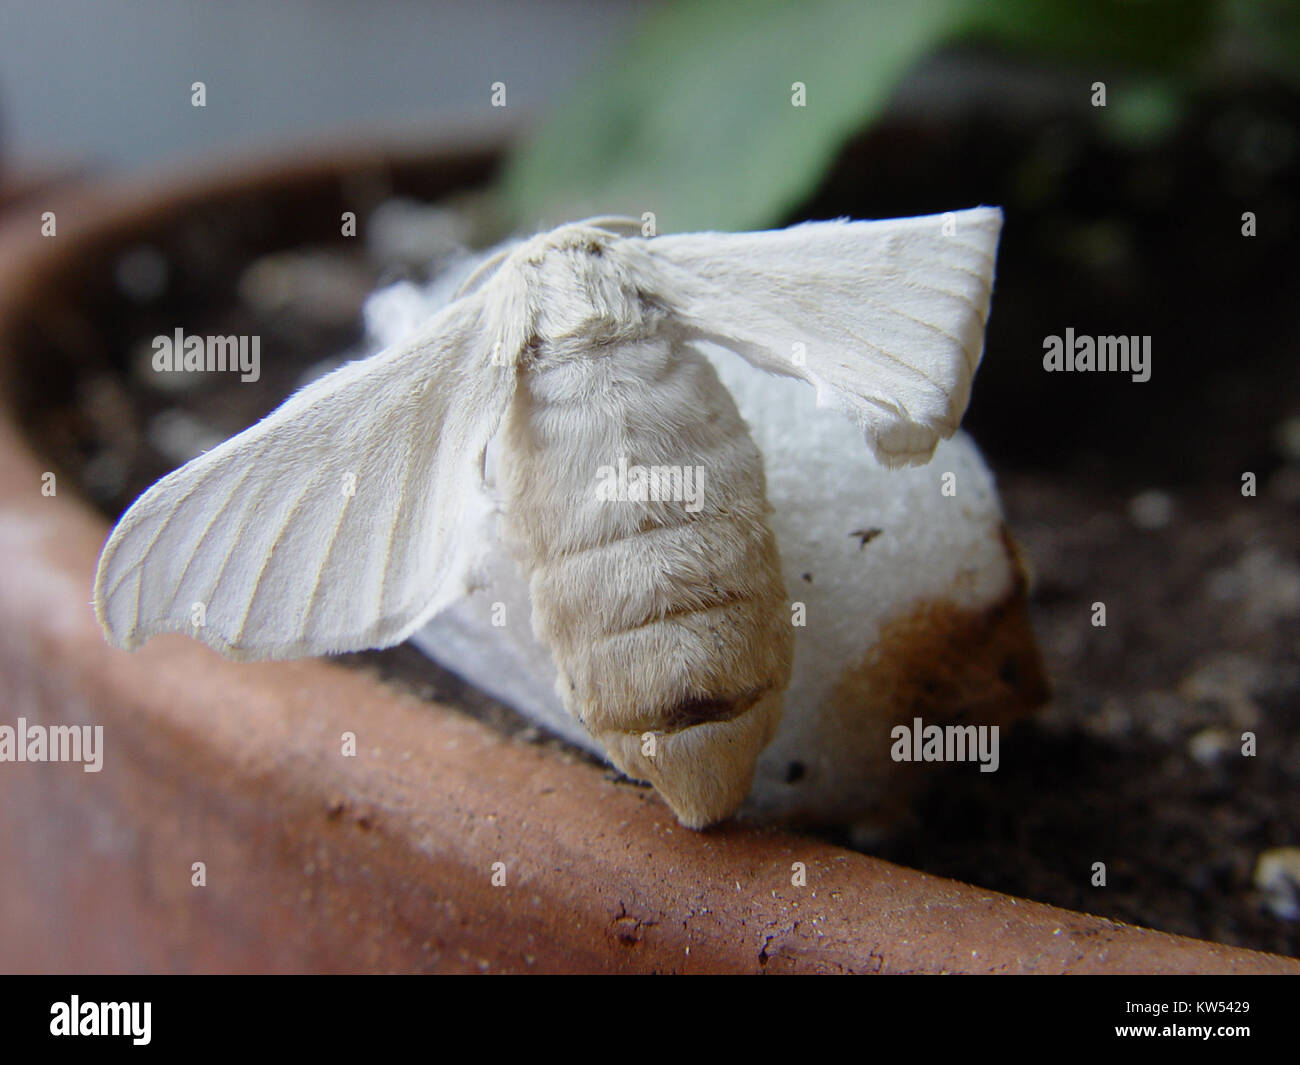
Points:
[[632, 676], [654, 573]]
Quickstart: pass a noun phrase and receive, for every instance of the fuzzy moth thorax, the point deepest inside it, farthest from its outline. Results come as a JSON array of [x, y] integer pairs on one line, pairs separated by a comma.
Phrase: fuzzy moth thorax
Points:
[[579, 293]]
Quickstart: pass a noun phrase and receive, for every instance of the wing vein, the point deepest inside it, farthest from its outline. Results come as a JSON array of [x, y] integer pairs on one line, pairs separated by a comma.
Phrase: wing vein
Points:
[[270, 553]]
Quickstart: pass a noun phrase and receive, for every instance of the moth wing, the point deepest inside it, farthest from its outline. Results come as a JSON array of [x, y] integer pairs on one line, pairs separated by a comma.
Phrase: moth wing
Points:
[[885, 319], [332, 524]]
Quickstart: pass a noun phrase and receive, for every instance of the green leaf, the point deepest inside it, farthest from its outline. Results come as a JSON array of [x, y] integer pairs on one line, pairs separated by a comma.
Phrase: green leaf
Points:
[[1148, 35], [695, 121], [1142, 112]]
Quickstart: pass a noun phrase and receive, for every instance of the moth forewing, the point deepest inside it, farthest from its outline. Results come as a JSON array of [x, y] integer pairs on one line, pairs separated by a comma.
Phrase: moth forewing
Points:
[[885, 319], [328, 526]]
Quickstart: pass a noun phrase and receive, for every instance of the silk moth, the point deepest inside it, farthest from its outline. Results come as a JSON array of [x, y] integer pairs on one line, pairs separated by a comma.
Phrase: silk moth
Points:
[[339, 522]]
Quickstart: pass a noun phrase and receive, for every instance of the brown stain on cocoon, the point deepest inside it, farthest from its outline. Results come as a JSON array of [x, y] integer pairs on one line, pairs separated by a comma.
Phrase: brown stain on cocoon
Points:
[[942, 663]]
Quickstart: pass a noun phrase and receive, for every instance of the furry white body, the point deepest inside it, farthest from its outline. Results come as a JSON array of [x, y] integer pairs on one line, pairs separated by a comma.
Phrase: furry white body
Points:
[[668, 625]]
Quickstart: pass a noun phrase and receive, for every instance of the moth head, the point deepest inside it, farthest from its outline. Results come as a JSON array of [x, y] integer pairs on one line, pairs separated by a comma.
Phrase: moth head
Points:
[[587, 232], [578, 288]]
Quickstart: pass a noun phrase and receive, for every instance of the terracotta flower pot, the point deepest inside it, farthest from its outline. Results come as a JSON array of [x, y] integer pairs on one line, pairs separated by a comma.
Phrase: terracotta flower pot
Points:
[[442, 844]]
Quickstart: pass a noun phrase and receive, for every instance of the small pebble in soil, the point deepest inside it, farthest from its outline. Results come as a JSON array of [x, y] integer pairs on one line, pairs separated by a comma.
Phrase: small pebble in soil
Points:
[[141, 274], [1288, 438], [1151, 509], [1263, 584], [1277, 876], [1209, 746], [1229, 681]]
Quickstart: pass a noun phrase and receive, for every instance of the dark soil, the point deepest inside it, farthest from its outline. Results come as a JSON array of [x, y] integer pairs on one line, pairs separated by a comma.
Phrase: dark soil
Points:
[[1121, 493]]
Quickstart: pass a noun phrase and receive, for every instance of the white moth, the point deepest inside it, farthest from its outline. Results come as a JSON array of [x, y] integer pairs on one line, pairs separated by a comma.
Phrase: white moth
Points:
[[344, 520]]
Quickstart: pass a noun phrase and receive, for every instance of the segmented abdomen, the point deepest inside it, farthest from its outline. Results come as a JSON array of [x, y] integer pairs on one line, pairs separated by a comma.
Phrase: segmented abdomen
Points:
[[661, 613]]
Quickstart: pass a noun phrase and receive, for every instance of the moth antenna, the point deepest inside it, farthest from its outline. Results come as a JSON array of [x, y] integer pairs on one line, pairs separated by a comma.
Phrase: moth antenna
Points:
[[619, 224], [480, 273]]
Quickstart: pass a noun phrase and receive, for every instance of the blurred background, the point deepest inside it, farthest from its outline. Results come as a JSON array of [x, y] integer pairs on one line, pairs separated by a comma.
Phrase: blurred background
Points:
[[109, 82], [1147, 155]]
